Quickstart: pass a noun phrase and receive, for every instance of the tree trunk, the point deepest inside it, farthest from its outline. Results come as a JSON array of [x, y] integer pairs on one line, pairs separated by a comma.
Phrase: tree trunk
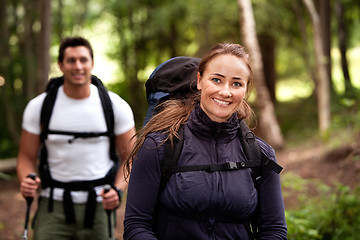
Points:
[[29, 82], [6, 89], [268, 123], [305, 49], [323, 91], [60, 20], [325, 15], [43, 55], [267, 46], [341, 34]]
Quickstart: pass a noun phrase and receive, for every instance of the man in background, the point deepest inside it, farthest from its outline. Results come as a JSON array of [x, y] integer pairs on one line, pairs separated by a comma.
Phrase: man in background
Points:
[[78, 149]]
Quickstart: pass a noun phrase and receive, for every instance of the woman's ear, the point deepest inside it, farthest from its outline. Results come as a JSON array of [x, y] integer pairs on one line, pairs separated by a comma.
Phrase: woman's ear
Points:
[[198, 81]]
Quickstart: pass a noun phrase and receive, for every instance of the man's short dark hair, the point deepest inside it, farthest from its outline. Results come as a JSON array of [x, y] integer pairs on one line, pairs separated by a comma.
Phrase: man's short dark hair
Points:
[[74, 42]]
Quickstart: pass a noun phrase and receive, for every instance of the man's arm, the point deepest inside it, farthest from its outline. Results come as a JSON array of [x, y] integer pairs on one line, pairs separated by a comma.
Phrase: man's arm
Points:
[[26, 163], [124, 144]]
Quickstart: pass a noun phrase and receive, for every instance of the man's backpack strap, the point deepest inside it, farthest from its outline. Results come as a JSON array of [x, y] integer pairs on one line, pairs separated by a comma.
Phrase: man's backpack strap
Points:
[[109, 114], [48, 105], [45, 116]]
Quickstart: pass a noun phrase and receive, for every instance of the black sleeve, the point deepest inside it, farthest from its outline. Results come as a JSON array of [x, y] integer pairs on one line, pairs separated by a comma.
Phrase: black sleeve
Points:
[[271, 211], [143, 192]]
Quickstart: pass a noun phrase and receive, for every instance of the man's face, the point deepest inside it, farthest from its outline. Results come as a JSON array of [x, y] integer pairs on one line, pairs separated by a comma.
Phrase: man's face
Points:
[[77, 66]]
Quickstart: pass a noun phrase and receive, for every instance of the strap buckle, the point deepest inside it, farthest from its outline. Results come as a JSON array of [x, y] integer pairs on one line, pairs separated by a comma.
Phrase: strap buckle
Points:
[[231, 165]]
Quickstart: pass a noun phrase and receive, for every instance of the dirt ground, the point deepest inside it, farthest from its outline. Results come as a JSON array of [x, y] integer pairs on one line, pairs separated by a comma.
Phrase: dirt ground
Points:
[[315, 162]]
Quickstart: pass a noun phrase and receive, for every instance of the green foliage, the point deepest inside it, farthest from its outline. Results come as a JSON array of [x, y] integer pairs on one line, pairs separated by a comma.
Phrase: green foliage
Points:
[[348, 105], [144, 33], [298, 128], [151, 32], [301, 128], [342, 220], [7, 148], [321, 211], [351, 15]]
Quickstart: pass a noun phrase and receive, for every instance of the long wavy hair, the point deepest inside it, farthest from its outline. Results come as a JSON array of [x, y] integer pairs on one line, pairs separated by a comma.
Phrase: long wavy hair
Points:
[[173, 113]]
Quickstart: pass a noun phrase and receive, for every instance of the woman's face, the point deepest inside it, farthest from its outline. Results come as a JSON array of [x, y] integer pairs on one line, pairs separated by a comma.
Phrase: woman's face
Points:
[[223, 86]]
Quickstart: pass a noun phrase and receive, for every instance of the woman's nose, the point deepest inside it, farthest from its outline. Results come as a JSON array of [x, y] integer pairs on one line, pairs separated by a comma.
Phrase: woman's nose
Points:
[[225, 91]]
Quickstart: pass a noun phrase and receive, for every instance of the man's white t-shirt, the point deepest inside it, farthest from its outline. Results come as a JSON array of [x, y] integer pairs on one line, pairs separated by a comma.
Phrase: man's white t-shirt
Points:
[[84, 158]]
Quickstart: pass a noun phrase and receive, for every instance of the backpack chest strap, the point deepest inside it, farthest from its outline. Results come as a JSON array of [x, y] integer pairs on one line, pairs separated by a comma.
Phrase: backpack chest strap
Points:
[[76, 135], [227, 166]]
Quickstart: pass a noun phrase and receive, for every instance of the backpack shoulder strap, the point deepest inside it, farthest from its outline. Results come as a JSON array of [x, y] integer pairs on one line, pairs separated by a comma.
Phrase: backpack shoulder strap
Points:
[[45, 115], [171, 157], [108, 113], [105, 102], [48, 105], [251, 149]]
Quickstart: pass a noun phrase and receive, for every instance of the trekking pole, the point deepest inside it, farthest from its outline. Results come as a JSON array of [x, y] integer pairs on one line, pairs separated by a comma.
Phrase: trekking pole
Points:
[[108, 212], [29, 201]]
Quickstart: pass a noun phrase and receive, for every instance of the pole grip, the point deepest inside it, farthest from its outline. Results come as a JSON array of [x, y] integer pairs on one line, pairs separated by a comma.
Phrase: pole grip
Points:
[[108, 212], [30, 199]]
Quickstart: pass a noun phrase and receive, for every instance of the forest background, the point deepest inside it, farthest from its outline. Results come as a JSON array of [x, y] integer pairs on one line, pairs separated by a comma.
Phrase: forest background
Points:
[[305, 56]]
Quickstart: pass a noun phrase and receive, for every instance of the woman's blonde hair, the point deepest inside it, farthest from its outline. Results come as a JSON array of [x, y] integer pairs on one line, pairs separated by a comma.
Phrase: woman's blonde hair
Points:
[[172, 114]]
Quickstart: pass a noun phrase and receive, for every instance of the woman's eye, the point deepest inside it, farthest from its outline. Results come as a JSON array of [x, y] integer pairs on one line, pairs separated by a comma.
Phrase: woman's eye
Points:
[[237, 84], [216, 80]]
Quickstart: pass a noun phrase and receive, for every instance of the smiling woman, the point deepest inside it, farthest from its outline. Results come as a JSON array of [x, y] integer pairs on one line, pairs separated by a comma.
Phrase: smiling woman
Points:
[[218, 202]]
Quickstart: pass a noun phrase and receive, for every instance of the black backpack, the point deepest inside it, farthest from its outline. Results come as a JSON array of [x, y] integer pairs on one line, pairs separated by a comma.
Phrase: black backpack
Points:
[[176, 78], [47, 180]]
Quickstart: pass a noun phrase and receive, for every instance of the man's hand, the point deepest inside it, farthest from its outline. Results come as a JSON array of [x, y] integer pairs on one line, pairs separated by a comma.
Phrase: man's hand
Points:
[[29, 186], [111, 199]]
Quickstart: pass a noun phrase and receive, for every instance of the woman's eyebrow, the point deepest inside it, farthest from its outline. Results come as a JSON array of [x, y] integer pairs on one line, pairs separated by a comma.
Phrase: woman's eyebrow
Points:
[[238, 78], [218, 74], [221, 75]]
